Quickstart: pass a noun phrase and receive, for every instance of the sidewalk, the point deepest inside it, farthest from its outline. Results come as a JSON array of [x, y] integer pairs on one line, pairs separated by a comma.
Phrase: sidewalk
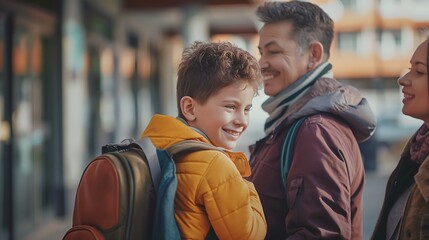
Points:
[[52, 230], [375, 185], [372, 200]]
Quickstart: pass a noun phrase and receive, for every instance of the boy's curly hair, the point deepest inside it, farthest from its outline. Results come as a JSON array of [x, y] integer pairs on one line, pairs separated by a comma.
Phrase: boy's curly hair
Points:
[[206, 68]]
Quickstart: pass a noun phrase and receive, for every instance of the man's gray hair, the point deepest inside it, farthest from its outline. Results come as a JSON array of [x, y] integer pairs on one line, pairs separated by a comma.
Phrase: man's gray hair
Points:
[[310, 22]]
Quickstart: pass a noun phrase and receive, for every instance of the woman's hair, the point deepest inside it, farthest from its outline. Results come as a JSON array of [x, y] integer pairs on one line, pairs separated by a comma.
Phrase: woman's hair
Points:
[[206, 68], [427, 60]]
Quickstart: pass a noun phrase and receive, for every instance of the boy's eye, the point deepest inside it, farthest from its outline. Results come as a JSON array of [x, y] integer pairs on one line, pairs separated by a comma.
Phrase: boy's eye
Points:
[[247, 109]]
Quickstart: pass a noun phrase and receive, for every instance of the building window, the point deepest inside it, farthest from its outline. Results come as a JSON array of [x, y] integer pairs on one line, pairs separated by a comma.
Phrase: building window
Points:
[[349, 4], [391, 43], [397, 37], [347, 41], [422, 34]]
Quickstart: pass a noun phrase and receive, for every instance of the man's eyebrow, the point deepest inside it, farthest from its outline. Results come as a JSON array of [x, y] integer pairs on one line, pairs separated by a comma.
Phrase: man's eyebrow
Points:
[[267, 44]]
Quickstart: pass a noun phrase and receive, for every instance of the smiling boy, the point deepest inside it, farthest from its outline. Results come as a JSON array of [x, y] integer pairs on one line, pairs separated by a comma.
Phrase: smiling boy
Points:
[[215, 88]]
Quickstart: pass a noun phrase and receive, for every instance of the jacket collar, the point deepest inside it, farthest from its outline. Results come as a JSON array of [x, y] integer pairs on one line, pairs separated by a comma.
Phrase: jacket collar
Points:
[[329, 95], [165, 131], [422, 179], [194, 128], [422, 176], [240, 161]]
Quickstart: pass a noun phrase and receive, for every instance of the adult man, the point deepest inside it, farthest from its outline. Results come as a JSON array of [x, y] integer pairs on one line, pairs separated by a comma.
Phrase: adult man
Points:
[[323, 189]]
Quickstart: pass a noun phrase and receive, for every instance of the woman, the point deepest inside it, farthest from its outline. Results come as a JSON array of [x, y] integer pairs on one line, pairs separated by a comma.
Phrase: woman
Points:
[[405, 211]]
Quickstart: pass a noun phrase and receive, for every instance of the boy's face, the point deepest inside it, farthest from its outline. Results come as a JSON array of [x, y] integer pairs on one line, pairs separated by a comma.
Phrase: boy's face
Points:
[[225, 115]]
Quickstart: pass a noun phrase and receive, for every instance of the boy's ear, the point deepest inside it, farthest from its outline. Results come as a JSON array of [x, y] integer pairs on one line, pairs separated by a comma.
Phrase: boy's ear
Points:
[[187, 105]]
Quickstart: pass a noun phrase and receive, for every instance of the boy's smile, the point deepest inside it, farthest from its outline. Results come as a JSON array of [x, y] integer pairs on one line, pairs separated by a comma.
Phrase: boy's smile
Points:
[[225, 115]]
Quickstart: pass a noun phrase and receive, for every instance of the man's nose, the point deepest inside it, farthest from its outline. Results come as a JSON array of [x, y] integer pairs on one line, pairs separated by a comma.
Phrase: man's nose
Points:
[[263, 63]]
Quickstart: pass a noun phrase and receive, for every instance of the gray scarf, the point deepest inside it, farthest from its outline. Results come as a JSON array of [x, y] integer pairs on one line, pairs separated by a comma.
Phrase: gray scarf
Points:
[[277, 106]]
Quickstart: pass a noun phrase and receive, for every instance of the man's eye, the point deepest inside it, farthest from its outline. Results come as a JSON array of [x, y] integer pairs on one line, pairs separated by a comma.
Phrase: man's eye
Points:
[[247, 109], [232, 107]]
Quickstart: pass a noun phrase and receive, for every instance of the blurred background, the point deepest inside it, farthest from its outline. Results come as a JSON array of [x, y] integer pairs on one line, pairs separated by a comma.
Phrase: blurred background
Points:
[[77, 74]]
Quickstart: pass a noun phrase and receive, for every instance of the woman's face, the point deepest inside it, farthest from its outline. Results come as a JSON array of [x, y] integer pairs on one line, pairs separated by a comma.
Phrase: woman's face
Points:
[[415, 86]]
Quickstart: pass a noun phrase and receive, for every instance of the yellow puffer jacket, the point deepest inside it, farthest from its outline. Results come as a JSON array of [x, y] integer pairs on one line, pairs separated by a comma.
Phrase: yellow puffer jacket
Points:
[[211, 190]]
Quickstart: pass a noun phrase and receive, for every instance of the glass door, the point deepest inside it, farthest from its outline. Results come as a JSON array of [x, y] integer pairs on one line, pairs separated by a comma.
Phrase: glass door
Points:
[[26, 94], [94, 89], [32, 100], [4, 132], [6, 201], [26, 126]]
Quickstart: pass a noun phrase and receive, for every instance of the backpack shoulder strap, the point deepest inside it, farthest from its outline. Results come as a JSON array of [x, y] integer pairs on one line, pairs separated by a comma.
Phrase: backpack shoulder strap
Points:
[[287, 149], [190, 146], [181, 147], [152, 158]]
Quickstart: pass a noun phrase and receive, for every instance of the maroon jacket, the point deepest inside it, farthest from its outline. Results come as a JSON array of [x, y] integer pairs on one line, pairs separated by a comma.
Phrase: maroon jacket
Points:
[[324, 184]]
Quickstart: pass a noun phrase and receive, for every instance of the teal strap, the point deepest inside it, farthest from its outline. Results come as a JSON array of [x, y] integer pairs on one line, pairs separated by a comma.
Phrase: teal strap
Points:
[[287, 150]]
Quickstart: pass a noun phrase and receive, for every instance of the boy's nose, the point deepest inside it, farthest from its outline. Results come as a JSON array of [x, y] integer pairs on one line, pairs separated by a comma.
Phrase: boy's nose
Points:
[[241, 119]]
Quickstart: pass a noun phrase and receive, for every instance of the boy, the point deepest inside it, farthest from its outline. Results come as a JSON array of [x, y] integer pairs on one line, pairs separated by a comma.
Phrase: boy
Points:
[[215, 87]]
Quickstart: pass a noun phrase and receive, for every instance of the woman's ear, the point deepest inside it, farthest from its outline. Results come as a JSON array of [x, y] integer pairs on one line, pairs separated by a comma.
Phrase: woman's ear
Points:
[[187, 105]]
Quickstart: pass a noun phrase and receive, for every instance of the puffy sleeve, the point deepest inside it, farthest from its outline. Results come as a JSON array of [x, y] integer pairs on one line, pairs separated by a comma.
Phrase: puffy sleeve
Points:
[[232, 203]]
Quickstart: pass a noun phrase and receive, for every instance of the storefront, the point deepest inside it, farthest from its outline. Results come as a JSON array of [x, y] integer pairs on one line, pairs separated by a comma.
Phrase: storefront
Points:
[[29, 118]]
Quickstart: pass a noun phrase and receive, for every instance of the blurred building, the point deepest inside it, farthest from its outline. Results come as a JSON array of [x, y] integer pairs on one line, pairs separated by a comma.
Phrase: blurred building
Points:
[[373, 44], [77, 74]]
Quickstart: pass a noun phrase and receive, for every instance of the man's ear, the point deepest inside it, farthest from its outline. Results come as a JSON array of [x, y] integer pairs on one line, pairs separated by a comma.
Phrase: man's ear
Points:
[[316, 54], [187, 105]]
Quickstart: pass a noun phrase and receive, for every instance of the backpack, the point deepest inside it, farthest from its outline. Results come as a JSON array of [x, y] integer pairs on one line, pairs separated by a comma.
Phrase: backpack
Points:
[[287, 149], [128, 192]]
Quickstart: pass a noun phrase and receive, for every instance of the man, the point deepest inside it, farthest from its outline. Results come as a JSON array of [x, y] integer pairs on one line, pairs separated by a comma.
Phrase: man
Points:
[[322, 195]]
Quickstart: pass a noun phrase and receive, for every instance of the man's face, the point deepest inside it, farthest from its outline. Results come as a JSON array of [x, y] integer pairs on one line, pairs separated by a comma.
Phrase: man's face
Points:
[[282, 60]]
